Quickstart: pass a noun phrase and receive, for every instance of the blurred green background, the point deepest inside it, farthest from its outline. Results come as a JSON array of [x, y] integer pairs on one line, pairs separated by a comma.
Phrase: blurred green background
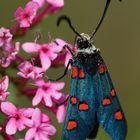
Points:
[[118, 40]]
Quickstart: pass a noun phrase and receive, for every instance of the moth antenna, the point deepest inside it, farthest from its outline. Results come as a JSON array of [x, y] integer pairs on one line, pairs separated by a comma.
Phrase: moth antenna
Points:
[[102, 18], [64, 17]]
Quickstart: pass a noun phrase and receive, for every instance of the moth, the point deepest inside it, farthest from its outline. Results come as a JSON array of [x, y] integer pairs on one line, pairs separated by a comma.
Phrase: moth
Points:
[[93, 100]]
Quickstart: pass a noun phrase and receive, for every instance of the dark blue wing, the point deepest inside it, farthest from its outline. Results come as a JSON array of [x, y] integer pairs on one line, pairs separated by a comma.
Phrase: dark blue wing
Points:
[[81, 118], [93, 101], [110, 114]]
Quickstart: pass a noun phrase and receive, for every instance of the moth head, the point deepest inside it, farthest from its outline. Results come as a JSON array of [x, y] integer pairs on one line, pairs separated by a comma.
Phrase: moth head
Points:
[[83, 41]]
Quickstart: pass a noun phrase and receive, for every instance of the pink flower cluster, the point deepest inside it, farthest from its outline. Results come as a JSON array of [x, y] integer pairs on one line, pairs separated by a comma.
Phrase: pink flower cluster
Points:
[[26, 16], [32, 80], [39, 124], [45, 93], [8, 51]]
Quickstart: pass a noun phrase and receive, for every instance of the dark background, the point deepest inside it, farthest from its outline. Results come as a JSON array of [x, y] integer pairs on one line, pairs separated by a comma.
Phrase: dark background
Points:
[[118, 40]]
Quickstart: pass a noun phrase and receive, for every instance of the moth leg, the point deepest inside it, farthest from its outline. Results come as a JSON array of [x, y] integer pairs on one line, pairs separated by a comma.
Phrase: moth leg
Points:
[[66, 46], [65, 72]]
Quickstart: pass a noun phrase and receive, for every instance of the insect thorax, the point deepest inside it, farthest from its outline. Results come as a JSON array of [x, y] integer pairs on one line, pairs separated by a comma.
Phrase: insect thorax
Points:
[[84, 44]]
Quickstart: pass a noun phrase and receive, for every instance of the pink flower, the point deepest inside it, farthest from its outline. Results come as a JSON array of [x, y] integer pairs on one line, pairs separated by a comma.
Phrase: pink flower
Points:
[[49, 92], [17, 118], [5, 36], [4, 82], [66, 55], [47, 52], [25, 16], [59, 109], [29, 71], [55, 5], [42, 128], [9, 54], [60, 112]]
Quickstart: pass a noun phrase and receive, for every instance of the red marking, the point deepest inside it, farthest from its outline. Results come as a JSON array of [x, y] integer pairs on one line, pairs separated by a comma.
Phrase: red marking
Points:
[[73, 100], [71, 125], [106, 101], [101, 69], [83, 106], [118, 115], [113, 92], [74, 72], [81, 74]]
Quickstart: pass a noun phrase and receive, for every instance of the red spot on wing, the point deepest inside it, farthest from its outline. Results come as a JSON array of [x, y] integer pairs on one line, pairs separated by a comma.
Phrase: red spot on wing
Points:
[[102, 69], [118, 115], [106, 101], [83, 106], [73, 100], [113, 92], [71, 125], [74, 72], [81, 74]]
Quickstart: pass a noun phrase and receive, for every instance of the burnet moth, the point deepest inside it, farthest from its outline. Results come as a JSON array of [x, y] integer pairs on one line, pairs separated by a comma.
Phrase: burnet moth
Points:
[[92, 100]]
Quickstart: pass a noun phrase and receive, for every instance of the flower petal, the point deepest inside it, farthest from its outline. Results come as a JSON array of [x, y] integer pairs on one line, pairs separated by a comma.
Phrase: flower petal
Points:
[[61, 113], [8, 108], [48, 100], [18, 12], [43, 136], [38, 97], [37, 137], [56, 3], [32, 6], [20, 125], [4, 83], [37, 117], [11, 127], [50, 129], [27, 122], [28, 112], [30, 134], [57, 85], [30, 47], [56, 95], [45, 118], [45, 61]]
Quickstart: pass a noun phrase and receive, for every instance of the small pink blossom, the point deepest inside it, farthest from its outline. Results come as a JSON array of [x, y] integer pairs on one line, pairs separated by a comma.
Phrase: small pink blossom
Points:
[[48, 92], [42, 128], [9, 54], [5, 36], [66, 55], [25, 16], [60, 112], [17, 118], [59, 109], [4, 82], [47, 52], [29, 71]]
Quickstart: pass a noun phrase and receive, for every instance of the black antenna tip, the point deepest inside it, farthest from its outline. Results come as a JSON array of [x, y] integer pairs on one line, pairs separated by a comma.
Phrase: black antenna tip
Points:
[[67, 19], [63, 17]]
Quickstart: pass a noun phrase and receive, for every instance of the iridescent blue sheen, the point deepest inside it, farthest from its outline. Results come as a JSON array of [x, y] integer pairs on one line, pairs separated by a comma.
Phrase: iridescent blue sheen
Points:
[[92, 89]]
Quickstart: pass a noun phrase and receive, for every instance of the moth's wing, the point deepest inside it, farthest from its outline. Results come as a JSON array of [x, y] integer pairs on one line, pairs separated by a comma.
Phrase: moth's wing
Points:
[[110, 113], [81, 118]]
